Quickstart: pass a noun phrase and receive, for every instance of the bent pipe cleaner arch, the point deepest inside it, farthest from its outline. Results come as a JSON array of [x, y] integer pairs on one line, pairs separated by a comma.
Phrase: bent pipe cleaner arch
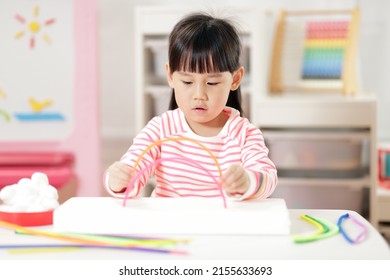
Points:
[[188, 161], [177, 139]]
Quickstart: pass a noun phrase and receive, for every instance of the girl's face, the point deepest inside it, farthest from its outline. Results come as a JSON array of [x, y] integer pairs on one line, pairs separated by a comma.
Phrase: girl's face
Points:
[[202, 97]]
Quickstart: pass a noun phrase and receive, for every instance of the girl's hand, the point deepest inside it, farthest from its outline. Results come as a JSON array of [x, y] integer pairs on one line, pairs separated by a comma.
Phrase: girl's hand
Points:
[[235, 180], [120, 176]]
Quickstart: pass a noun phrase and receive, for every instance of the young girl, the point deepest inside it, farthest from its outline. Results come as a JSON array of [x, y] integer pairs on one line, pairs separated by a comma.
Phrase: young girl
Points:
[[204, 73]]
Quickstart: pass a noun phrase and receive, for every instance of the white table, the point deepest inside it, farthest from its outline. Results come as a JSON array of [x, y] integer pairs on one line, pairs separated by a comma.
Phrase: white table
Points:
[[230, 247]]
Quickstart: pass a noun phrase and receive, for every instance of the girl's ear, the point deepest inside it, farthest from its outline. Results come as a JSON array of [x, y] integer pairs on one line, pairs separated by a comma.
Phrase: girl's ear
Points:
[[237, 78], [169, 75]]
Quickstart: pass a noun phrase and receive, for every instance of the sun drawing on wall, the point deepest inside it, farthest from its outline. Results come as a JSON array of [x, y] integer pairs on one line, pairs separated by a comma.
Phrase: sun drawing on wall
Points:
[[34, 27]]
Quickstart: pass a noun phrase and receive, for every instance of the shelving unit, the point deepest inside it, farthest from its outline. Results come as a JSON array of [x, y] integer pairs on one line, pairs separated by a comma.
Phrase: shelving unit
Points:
[[355, 116], [347, 118]]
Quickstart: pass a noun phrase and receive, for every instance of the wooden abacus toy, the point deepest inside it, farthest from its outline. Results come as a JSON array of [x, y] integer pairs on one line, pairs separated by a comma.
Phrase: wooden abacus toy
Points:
[[315, 51]]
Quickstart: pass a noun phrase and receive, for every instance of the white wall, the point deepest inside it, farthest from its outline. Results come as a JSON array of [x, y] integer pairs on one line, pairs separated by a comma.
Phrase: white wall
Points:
[[375, 58], [116, 50]]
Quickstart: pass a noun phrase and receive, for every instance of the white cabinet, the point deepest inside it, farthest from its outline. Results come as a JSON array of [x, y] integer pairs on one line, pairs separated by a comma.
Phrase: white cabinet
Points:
[[340, 117], [332, 118]]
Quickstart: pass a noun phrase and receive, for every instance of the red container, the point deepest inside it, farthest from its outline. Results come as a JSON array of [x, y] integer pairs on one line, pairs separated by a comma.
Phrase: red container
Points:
[[28, 219]]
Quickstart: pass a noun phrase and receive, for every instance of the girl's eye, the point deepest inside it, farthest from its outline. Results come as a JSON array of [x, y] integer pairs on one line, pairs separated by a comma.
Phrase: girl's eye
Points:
[[212, 84], [186, 82]]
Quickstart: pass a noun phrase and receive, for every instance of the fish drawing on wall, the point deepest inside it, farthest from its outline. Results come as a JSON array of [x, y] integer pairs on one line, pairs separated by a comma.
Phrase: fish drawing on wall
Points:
[[39, 112]]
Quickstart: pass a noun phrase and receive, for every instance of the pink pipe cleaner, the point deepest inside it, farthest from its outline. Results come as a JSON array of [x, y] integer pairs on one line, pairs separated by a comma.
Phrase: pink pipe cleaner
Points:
[[174, 159]]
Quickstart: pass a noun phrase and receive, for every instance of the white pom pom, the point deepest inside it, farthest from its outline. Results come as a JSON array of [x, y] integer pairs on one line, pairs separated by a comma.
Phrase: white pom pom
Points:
[[49, 204], [30, 195], [7, 208], [24, 182], [48, 192], [40, 179], [7, 193], [18, 208], [35, 207], [22, 202], [22, 191]]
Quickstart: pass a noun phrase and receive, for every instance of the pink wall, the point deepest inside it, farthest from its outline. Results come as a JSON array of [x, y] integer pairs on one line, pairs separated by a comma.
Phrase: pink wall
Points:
[[84, 141]]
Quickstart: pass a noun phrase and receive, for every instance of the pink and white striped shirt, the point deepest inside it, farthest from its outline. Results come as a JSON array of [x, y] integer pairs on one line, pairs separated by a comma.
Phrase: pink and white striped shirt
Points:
[[239, 141]]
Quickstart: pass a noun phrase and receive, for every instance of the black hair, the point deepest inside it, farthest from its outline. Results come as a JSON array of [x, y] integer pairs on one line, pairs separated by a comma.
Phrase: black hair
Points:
[[201, 43]]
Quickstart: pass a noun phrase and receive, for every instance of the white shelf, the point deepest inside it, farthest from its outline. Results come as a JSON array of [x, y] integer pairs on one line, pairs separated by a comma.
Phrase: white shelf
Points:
[[315, 111], [316, 134], [355, 183]]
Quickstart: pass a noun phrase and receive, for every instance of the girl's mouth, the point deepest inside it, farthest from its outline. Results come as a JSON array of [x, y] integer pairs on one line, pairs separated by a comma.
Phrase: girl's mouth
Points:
[[200, 109]]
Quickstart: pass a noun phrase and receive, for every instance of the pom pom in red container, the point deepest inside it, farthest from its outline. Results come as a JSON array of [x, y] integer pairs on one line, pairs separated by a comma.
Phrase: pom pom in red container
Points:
[[30, 202]]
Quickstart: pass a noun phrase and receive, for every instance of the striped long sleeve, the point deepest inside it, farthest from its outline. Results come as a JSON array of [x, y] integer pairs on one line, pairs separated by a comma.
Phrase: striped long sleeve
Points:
[[186, 164]]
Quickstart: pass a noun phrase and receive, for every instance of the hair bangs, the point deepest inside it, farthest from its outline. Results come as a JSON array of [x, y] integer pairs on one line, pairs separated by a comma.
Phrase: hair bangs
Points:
[[204, 52]]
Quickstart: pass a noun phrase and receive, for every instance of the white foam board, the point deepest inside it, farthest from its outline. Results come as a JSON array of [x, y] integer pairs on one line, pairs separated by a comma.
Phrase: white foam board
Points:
[[107, 215]]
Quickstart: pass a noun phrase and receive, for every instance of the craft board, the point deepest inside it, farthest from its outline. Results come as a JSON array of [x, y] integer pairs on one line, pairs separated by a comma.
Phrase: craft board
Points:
[[107, 215]]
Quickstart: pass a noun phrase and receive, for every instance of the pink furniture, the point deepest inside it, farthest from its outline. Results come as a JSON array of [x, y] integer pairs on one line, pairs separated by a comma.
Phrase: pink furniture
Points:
[[58, 166], [84, 139]]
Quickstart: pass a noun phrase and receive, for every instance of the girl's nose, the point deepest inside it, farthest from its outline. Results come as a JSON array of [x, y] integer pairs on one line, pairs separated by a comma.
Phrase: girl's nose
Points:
[[200, 92]]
